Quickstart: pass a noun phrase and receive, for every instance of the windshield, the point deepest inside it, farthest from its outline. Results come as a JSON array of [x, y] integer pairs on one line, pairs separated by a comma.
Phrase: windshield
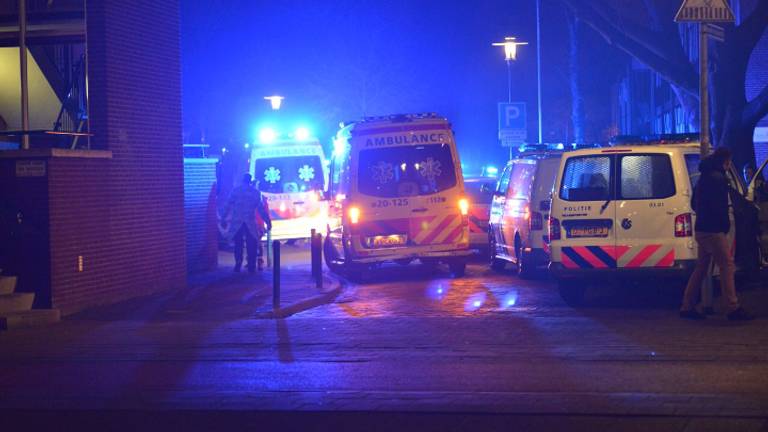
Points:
[[289, 174], [406, 171]]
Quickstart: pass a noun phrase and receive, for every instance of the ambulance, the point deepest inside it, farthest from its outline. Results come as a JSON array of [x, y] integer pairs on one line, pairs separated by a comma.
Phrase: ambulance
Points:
[[397, 194], [292, 175], [625, 210]]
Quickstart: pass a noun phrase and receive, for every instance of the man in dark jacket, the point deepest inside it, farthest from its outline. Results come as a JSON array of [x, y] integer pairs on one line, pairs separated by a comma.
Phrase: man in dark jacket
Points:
[[710, 201]]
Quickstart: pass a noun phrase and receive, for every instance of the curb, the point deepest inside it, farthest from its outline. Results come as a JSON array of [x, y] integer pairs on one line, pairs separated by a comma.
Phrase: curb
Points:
[[324, 298]]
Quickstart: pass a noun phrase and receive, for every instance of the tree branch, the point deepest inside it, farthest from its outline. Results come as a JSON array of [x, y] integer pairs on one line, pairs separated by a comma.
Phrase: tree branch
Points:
[[756, 109], [748, 34], [646, 46]]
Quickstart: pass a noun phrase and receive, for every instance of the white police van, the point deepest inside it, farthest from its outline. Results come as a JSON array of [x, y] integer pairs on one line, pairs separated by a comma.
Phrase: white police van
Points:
[[397, 194], [625, 210]]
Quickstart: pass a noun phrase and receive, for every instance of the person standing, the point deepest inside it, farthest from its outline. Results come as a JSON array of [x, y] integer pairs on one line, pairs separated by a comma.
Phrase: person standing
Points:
[[710, 201], [244, 209]]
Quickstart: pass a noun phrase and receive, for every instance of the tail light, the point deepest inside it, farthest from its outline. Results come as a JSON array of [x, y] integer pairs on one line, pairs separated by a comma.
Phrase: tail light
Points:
[[554, 229], [536, 223], [683, 225], [354, 215], [464, 206]]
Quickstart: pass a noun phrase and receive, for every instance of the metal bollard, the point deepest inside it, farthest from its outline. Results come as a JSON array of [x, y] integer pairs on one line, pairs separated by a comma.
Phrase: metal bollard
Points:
[[319, 253], [276, 275], [313, 252]]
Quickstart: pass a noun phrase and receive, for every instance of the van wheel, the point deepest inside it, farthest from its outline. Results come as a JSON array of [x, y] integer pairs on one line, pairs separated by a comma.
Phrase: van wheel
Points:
[[496, 264], [331, 256], [457, 268], [572, 291], [525, 269]]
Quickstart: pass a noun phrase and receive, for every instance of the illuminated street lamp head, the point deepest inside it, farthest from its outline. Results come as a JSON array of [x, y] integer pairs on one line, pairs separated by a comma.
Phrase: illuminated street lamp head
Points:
[[510, 47], [275, 101]]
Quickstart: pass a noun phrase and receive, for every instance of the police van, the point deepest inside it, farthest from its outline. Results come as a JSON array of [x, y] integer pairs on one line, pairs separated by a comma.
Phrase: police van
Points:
[[292, 175], [396, 194], [518, 229], [625, 210]]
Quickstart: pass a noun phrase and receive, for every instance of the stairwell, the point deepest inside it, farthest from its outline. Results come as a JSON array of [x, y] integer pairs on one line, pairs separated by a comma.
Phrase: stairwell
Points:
[[16, 308]]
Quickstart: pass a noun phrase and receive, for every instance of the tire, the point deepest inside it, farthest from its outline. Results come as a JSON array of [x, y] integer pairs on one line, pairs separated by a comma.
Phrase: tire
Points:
[[403, 261], [525, 268], [495, 263], [572, 292], [458, 268], [331, 256]]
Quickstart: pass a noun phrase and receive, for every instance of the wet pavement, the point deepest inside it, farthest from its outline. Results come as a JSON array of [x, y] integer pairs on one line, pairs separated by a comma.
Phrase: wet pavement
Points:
[[412, 341]]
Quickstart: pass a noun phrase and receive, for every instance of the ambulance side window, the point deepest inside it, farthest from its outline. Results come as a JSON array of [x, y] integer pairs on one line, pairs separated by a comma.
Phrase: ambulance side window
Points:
[[501, 189], [340, 175]]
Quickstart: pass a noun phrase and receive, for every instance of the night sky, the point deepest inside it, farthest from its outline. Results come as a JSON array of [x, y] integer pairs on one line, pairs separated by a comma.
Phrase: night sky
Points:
[[339, 60]]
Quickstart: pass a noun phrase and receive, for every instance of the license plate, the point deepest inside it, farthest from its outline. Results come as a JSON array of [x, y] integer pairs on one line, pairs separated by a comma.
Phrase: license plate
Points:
[[387, 241], [595, 231]]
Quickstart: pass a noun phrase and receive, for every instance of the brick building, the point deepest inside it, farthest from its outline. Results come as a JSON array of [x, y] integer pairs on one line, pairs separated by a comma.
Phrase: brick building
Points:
[[98, 218]]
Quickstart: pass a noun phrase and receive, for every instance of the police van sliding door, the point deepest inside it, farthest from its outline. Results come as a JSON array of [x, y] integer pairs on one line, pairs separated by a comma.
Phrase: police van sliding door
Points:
[[648, 219], [588, 213]]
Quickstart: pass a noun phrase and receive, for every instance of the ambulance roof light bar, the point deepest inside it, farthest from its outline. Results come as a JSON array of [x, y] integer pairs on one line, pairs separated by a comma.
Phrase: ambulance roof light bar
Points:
[[402, 117]]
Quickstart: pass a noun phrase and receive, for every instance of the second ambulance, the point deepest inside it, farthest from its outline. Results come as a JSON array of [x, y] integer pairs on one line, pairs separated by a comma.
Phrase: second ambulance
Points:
[[397, 194], [291, 174]]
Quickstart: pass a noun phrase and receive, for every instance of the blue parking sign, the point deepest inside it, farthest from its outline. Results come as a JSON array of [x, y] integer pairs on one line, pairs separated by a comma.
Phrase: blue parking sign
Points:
[[513, 122]]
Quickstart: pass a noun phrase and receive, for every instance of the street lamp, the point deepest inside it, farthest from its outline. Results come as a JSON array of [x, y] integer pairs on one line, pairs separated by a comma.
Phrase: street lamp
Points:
[[275, 101], [510, 53]]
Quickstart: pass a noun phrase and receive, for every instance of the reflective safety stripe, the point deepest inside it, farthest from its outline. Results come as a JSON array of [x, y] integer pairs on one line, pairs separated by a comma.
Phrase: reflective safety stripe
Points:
[[654, 255], [618, 256]]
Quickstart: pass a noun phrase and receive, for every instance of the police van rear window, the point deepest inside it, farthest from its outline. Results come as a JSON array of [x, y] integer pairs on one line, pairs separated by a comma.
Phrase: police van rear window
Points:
[[406, 170], [627, 176], [586, 179]]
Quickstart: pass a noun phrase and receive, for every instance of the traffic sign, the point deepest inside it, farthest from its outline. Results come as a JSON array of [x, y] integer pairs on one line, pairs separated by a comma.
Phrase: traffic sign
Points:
[[512, 123], [704, 11]]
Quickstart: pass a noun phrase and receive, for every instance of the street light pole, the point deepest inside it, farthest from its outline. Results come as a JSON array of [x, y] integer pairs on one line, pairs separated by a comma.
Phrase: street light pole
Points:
[[509, 81]]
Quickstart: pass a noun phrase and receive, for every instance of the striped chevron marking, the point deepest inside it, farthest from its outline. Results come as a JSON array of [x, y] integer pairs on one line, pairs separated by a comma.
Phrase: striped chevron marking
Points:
[[618, 256], [440, 230], [478, 219]]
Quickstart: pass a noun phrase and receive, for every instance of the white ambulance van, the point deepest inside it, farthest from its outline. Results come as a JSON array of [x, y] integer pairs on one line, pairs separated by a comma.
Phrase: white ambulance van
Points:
[[625, 211], [292, 175], [397, 194]]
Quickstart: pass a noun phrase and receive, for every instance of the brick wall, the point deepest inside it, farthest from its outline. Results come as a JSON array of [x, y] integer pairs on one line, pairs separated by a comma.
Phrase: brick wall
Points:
[[200, 213], [124, 215]]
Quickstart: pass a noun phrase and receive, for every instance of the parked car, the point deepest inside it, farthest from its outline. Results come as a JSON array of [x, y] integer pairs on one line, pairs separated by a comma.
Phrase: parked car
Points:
[[480, 192], [518, 228]]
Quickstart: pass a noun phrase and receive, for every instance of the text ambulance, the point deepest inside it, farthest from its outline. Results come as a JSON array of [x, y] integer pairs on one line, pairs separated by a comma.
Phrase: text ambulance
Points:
[[397, 194], [292, 176]]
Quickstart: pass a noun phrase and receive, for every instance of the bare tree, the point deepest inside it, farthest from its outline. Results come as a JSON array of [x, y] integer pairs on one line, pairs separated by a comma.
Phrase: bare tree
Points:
[[656, 42]]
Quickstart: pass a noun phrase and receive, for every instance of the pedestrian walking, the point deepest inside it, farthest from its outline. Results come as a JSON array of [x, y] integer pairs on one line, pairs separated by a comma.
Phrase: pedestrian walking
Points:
[[710, 201], [248, 218]]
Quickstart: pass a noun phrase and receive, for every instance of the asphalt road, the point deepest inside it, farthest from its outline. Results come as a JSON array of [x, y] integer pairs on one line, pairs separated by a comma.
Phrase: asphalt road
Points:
[[408, 346]]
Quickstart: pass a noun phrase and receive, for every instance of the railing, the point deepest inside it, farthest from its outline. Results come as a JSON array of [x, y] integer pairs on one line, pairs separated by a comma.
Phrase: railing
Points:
[[73, 115]]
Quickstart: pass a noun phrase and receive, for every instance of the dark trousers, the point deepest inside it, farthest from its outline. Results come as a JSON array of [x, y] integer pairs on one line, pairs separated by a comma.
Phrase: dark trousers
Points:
[[251, 243]]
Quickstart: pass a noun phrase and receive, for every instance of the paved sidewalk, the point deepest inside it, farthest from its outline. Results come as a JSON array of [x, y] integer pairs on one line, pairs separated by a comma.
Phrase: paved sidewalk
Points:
[[224, 295]]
